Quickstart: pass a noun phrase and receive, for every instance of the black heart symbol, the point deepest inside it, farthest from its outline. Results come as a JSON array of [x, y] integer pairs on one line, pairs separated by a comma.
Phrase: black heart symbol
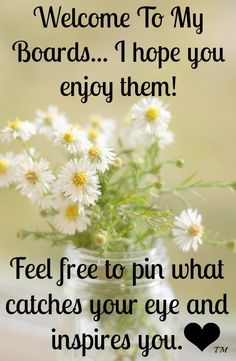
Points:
[[202, 337]]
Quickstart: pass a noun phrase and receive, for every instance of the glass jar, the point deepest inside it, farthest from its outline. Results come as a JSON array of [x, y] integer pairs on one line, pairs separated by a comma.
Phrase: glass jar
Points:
[[130, 318]]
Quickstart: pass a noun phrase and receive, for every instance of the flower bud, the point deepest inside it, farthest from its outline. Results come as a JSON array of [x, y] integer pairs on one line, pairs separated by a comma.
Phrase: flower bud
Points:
[[180, 163], [160, 185], [234, 246], [138, 161], [233, 186], [118, 162], [19, 234], [100, 239]]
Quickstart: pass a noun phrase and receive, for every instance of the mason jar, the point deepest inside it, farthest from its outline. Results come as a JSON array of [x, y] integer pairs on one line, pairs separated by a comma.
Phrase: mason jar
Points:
[[99, 332]]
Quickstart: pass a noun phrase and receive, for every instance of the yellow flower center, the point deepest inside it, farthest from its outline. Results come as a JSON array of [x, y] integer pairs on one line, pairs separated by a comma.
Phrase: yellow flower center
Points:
[[68, 137], [31, 176], [72, 212], [93, 133], [80, 179], [96, 120], [94, 152], [4, 165], [48, 119], [152, 114], [195, 230], [15, 125]]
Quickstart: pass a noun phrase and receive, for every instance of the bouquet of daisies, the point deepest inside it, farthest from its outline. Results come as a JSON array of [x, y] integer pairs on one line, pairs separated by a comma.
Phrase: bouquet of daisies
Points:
[[106, 194]]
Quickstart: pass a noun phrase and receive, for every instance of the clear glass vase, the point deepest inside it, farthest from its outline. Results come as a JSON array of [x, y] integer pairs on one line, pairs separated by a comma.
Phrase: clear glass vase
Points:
[[137, 325]]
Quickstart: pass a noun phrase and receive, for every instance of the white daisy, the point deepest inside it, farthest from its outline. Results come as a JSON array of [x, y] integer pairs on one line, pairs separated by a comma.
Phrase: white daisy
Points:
[[189, 230], [95, 135], [165, 138], [71, 218], [100, 157], [109, 131], [8, 164], [73, 140], [17, 130], [34, 176], [42, 198], [107, 128], [58, 196], [50, 121], [133, 138], [150, 115], [79, 181], [130, 137], [102, 130]]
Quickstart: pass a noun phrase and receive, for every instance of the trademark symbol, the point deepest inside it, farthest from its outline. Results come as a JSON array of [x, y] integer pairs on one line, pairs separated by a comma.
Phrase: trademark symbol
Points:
[[220, 349]]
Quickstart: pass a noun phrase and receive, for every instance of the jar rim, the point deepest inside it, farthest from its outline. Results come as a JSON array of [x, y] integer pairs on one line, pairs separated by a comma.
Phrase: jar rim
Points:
[[116, 256]]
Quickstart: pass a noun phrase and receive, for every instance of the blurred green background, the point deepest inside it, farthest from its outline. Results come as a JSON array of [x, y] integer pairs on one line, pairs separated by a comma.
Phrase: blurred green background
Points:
[[203, 113]]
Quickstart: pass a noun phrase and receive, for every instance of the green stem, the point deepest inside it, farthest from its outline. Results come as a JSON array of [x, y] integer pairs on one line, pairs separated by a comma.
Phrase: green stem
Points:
[[229, 244], [26, 148], [197, 185]]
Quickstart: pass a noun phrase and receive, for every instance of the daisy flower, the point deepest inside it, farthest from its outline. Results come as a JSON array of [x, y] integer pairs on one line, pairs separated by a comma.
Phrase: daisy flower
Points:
[[189, 230], [109, 131], [8, 163], [133, 138], [58, 196], [79, 181], [42, 199], [107, 127], [165, 138], [95, 135], [150, 115], [102, 130], [17, 130], [50, 121], [100, 157], [34, 177], [71, 218], [130, 137], [73, 140]]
